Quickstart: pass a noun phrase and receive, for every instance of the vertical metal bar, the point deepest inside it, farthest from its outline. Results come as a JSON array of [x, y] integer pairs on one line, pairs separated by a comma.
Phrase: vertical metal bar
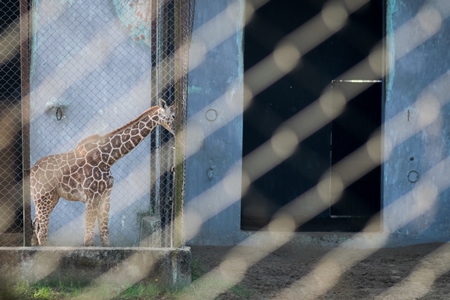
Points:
[[159, 87], [25, 95], [385, 68], [182, 24], [155, 95], [178, 160], [167, 74], [153, 89]]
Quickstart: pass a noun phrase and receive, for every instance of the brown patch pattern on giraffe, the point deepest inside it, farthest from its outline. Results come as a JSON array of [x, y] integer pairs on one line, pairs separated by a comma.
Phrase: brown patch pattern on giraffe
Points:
[[84, 174]]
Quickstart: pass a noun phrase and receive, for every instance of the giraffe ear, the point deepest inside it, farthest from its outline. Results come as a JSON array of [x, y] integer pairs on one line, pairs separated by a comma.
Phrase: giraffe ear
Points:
[[170, 110], [162, 103]]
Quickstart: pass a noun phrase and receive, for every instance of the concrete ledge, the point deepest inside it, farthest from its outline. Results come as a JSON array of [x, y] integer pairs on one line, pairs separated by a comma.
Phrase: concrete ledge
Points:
[[165, 267]]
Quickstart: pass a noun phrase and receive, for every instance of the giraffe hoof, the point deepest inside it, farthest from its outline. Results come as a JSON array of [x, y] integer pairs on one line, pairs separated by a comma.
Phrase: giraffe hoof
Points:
[[88, 244]]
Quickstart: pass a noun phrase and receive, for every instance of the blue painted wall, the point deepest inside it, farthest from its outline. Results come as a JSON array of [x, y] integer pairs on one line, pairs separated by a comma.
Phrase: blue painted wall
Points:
[[214, 125], [416, 199], [417, 123]]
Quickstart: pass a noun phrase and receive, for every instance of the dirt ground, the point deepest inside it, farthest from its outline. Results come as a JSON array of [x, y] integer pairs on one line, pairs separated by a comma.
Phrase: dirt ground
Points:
[[314, 272]]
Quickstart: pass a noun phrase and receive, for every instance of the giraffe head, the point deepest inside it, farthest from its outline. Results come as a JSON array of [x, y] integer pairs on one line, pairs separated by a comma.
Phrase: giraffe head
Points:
[[166, 116]]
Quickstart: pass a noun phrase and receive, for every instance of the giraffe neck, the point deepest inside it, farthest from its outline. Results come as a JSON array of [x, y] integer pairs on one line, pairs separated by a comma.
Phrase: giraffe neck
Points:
[[121, 141]]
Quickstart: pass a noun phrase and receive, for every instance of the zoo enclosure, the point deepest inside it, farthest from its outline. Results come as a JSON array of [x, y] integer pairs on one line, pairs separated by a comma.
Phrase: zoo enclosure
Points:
[[71, 69]]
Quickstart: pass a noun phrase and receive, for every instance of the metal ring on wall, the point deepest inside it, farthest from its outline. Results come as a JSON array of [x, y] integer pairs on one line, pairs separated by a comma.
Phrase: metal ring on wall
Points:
[[59, 114], [413, 176], [211, 114]]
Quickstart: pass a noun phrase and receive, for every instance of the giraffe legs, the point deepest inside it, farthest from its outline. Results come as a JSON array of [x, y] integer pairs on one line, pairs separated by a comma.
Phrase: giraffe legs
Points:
[[40, 232], [44, 206], [97, 210], [103, 218], [91, 216]]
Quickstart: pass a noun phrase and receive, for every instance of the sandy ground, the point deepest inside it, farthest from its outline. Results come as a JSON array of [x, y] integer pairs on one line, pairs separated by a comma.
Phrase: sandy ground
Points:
[[314, 272]]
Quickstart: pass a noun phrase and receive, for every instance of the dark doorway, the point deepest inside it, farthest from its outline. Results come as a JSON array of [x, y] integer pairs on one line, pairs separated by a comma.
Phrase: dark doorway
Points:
[[318, 69]]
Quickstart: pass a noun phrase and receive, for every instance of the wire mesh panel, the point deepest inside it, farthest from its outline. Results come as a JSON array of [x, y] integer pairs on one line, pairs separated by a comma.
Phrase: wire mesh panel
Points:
[[10, 126], [95, 66]]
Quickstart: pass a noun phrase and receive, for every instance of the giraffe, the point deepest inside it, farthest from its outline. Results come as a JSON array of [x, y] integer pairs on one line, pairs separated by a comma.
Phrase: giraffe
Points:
[[84, 174]]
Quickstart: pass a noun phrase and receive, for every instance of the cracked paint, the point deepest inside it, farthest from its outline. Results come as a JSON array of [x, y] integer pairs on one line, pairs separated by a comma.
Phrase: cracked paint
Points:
[[136, 16]]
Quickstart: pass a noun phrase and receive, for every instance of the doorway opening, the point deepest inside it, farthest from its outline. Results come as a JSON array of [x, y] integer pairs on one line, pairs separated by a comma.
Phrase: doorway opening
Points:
[[322, 68]]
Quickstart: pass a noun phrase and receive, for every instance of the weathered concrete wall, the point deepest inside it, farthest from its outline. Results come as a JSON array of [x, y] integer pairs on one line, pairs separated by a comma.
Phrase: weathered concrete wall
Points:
[[110, 266], [215, 124], [417, 124], [416, 145]]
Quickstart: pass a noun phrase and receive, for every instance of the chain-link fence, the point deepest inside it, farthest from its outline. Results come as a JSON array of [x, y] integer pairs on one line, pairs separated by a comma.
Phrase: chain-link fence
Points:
[[10, 123], [94, 66]]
